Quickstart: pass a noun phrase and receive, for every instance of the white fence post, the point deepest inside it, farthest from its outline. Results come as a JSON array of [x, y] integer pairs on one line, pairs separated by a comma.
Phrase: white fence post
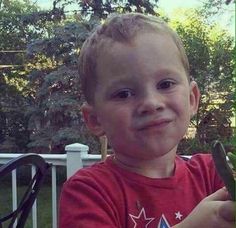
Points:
[[75, 152]]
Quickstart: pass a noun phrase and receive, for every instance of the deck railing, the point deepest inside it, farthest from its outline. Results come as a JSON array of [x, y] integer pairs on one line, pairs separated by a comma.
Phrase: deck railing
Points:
[[75, 158]]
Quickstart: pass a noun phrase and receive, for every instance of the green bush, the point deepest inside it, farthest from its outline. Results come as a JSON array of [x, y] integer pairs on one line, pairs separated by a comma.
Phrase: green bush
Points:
[[190, 146]]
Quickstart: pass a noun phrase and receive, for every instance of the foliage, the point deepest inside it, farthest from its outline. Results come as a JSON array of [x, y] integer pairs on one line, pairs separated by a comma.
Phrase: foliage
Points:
[[11, 27], [101, 8], [14, 36], [54, 112], [215, 7], [13, 121], [210, 52], [45, 95], [190, 146]]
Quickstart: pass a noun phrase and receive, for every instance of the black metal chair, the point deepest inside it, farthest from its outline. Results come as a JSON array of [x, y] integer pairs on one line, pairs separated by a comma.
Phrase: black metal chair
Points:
[[20, 215]]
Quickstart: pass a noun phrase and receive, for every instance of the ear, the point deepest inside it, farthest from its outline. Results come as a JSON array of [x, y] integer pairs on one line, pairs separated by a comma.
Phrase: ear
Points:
[[194, 98], [91, 119]]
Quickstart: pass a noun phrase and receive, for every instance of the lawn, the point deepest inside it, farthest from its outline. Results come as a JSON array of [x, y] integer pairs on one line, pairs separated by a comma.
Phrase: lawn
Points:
[[44, 204]]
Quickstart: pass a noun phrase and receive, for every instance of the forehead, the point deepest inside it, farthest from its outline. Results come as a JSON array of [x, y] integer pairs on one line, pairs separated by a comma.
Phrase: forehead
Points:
[[150, 50]]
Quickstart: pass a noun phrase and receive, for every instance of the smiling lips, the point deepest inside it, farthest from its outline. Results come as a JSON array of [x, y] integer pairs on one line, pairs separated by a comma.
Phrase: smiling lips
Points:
[[157, 124]]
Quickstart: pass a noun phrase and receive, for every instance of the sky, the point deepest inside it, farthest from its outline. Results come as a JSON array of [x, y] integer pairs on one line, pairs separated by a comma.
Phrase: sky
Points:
[[169, 6], [227, 20]]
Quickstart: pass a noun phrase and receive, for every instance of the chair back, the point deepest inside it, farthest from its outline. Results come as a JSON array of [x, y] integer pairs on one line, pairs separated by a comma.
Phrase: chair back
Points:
[[20, 214]]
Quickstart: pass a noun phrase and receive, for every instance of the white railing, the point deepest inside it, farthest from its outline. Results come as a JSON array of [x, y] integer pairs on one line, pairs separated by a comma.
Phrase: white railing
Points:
[[75, 158]]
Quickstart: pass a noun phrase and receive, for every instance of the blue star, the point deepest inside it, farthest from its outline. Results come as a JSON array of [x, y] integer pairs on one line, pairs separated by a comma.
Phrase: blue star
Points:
[[163, 223]]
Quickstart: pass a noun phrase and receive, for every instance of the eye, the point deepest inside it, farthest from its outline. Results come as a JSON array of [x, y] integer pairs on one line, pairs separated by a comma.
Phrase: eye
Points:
[[123, 94], [165, 84]]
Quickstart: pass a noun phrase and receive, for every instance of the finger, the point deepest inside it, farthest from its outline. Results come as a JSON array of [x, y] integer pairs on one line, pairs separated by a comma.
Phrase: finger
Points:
[[227, 211], [220, 195]]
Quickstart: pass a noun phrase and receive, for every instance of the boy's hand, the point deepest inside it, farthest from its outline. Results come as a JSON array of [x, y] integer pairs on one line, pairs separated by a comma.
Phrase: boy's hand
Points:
[[215, 211]]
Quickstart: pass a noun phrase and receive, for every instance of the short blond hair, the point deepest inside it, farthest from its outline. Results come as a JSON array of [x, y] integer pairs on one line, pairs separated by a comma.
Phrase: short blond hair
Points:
[[119, 28]]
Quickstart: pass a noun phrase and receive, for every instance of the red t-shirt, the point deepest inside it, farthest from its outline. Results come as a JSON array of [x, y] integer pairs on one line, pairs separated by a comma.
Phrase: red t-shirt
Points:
[[104, 195]]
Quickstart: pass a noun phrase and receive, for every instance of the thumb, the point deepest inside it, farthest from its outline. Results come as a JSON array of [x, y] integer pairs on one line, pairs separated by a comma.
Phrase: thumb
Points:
[[227, 211], [220, 195]]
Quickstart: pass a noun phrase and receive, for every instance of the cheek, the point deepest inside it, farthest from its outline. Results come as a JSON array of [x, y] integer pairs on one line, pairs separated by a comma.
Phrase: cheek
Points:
[[181, 105], [114, 120]]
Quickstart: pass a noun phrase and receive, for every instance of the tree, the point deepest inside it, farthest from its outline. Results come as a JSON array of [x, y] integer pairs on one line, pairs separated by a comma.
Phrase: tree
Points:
[[55, 117], [15, 34], [210, 52], [12, 118], [211, 8], [52, 93]]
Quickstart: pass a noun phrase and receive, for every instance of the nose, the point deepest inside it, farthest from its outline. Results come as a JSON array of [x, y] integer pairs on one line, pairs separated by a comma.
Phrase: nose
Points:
[[150, 103]]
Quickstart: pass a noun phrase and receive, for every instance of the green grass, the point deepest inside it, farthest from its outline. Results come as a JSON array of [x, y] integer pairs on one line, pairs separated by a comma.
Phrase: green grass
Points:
[[44, 198], [44, 204]]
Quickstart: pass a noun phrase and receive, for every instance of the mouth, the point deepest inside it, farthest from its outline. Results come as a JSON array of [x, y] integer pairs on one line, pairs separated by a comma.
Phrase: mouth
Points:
[[155, 125]]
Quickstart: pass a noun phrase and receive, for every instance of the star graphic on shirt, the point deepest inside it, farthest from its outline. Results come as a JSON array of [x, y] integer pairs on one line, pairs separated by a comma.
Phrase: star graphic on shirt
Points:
[[141, 220], [163, 223], [178, 215]]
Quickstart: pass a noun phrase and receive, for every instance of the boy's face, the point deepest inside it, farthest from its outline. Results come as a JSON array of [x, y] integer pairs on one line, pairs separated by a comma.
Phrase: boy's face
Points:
[[143, 100]]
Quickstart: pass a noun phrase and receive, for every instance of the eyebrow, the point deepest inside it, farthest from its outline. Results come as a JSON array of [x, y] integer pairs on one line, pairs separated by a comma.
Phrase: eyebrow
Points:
[[166, 72], [120, 83]]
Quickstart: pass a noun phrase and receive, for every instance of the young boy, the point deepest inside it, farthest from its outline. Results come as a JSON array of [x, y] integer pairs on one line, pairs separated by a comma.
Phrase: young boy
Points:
[[135, 78]]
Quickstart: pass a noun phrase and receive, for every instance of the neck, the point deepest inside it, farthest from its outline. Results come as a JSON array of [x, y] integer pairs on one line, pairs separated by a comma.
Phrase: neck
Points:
[[160, 167]]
